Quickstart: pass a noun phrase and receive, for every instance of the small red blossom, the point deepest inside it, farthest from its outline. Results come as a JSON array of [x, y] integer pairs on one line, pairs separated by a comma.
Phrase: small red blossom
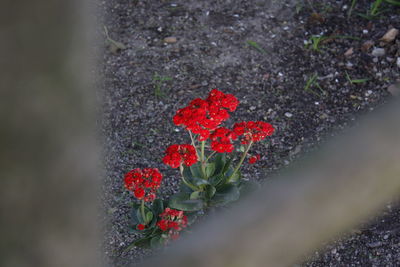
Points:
[[204, 116], [178, 154], [253, 131], [141, 227], [172, 221], [221, 140], [143, 183], [254, 159]]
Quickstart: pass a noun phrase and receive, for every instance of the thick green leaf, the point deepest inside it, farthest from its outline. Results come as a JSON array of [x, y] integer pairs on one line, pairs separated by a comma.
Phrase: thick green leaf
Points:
[[142, 243], [210, 169], [220, 161], [196, 170], [199, 182], [182, 201], [217, 179], [236, 177], [227, 166], [139, 215], [156, 242], [195, 195], [226, 194], [158, 207], [209, 191], [149, 217], [185, 189]]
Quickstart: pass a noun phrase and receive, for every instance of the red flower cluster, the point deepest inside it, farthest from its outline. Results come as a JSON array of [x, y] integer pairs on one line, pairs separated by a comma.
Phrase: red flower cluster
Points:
[[221, 140], [143, 183], [254, 159], [253, 131], [178, 154], [202, 116], [172, 221]]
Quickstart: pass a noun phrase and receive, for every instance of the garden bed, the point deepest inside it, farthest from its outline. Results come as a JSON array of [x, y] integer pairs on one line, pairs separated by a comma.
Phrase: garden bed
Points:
[[310, 69]]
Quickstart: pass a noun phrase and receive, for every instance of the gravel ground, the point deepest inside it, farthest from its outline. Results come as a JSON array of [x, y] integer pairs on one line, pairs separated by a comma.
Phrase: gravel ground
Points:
[[173, 51]]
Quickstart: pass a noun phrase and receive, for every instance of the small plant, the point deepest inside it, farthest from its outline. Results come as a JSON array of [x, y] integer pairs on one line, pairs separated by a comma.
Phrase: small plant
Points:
[[256, 46], [313, 83], [356, 81], [316, 41], [210, 176], [377, 8], [158, 81]]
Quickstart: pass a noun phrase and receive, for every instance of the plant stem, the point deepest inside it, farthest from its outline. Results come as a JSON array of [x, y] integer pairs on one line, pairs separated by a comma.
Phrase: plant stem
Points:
[[194, 188], [193, 143], [142, 212], [203, 163], [240, 161]]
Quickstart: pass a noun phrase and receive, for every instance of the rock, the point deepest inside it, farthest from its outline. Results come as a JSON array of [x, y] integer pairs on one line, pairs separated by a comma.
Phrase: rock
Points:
[[170, 40], [374, 244], [367, 45], [394, 89], [398, 62], [378, 52], [288, 114], [390, 35], [349, 52]]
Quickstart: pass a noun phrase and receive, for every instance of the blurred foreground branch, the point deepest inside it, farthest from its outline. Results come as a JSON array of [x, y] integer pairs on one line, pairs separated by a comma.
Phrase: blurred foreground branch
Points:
[[47, 150], [344, 182]]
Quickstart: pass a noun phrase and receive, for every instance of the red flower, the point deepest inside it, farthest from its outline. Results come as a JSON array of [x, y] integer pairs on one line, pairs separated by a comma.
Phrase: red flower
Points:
[[253, 131], [178, 154], [172, 221], [143, 183], [221, 140], [141, 227], [254, 159], [203, 116]]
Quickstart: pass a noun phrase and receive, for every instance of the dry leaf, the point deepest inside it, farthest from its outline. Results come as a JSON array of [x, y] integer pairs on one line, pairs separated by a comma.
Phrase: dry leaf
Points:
[[390, 35]]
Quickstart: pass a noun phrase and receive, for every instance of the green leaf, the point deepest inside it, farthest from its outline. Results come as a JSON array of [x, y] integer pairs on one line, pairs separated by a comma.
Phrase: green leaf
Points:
[[210, 169], [209, 191], [158, 207], [185, 189], [149, 217], [217, 179], [236, 177], [199, 182], [196, 170], [195, 195], [182, 201], [156, 242], [142, 243], [227, 165], [220, 161], [226, 194]]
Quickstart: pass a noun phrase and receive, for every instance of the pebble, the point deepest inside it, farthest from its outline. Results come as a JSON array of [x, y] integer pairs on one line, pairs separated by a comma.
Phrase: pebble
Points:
[[398, 62], [378, 52], [170, 40], [385, 237], [390, 35], [288, 114], [374, 244], [368, 93]]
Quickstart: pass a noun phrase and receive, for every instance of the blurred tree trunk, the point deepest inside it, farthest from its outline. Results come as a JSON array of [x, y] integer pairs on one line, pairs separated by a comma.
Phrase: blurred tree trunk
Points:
[[47, 159]]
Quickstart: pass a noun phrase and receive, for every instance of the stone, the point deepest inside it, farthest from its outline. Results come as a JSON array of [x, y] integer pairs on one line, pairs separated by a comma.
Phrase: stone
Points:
[[378, 52]]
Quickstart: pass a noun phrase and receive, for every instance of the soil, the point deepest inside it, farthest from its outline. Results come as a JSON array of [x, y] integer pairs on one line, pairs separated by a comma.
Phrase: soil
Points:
[[263, 53]]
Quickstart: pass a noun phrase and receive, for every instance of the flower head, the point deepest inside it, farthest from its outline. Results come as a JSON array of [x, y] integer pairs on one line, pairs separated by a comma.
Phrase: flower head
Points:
[[204, 116], [254, 159], [180, 154], [143, 183], [253, 131], [221, 140], [172, 221]]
